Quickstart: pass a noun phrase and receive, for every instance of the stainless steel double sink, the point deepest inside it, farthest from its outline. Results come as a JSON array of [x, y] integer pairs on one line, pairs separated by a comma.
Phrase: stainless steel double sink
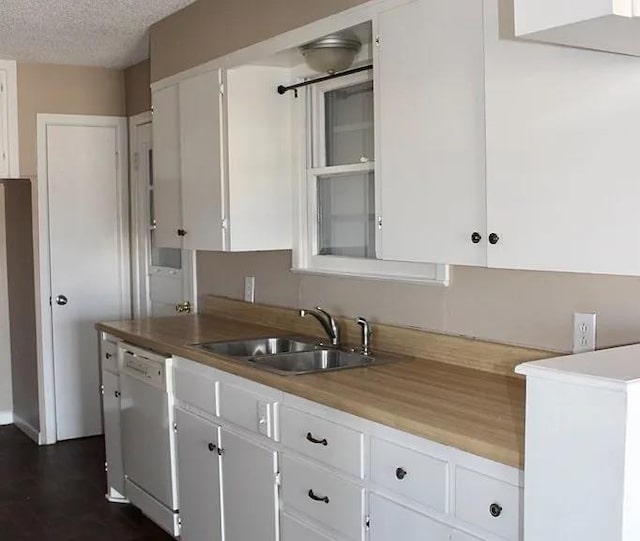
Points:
[[288, 356]]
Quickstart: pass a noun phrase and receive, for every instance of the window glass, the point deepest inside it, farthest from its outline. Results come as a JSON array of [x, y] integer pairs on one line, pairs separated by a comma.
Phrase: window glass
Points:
[[346, 215], [160, 257], [349, 135]]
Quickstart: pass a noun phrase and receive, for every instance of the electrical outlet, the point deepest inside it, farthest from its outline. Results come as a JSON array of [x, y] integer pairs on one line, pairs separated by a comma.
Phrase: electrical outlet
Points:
[[584, 332], [250, 288]]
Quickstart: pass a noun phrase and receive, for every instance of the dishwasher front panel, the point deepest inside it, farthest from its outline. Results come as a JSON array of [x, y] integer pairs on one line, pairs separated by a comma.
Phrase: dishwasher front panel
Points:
[[147, 437]]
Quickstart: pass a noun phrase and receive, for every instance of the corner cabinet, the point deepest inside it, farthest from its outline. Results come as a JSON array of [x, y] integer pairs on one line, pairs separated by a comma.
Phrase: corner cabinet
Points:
[[222, 173], [9, 167]]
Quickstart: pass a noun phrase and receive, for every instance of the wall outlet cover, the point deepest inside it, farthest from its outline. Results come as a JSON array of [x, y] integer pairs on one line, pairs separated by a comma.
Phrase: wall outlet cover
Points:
[[250, 288], [584, 332]]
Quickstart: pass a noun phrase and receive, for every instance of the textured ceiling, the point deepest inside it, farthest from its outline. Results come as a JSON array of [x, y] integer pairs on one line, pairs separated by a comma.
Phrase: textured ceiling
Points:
[[110, 33]]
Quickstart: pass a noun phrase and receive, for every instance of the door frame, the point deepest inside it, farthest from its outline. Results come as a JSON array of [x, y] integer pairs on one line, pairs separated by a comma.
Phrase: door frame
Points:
[[44, 319], [140, 249]]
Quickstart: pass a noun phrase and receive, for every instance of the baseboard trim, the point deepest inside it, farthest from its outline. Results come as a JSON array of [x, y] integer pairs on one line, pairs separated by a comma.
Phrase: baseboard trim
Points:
[[6, 418], [25, 427]]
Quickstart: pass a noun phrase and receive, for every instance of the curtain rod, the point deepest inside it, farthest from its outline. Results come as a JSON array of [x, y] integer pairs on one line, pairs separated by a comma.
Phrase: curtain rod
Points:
[[284, 89]]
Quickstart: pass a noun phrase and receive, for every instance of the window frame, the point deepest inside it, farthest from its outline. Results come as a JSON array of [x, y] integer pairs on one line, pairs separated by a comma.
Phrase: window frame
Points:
[[309, 131]]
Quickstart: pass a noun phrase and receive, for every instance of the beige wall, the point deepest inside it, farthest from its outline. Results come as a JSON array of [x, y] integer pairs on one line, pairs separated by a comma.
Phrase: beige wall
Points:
[[207, 29], [47, 88], [137, 80], [517, 307]]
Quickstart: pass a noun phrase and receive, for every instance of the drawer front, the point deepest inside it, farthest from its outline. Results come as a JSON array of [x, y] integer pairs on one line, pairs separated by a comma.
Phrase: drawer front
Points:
[[335, 445], [293, 530], [195, 390], [109, 355], [325, 498], [490, 504], [459, 536], [417, 476], [390, 521], [248, 410]]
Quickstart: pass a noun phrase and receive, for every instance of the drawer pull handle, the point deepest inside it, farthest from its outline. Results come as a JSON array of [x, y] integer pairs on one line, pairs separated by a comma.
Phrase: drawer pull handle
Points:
[[318, 498], [313, 440], [495, 509], [401, 473]]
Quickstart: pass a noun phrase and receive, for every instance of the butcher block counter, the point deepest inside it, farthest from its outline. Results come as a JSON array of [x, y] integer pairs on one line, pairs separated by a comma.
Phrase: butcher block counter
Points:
[[455, 391]]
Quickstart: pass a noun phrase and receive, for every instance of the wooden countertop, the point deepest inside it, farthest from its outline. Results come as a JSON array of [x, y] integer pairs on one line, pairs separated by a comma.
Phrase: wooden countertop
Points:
[[476, 411]]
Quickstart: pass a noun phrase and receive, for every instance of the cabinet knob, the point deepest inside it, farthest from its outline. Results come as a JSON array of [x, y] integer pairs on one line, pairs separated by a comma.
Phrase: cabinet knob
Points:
[[315, 498], [476, 237], [314, 440], [494, 238], [495, 509], [212, 447], [117, 394], [182, 232], [401, 473]]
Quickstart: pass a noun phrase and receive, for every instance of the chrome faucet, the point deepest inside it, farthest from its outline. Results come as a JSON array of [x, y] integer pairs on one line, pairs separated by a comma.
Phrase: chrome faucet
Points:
[[329, 324], [367, 331]]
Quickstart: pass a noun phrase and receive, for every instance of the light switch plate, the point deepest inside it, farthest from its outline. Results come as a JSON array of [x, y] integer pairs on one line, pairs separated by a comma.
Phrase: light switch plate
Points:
[[584, 332]]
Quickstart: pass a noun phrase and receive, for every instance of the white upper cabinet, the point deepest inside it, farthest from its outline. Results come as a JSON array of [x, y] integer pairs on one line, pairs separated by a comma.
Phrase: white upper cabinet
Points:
[[606, 25], [222, 164], [9, 167], [166, 168], [430, 131], [562, 169]]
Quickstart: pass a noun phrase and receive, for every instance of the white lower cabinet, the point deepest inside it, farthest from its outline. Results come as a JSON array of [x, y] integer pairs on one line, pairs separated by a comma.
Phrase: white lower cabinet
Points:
[[295, 530], [198, 477], [390, 520], [327, 499], [112, 437], [249, 490]]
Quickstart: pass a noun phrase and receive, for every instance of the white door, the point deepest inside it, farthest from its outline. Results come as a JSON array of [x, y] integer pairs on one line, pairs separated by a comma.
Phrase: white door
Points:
[[430, 130], [164, 276], [198, 478], [249, 491], [89, 271]]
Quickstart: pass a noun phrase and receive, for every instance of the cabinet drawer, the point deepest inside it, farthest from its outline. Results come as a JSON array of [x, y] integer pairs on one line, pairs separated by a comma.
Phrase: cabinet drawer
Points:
[[490, 504], [293, 530], [390, 521], [248, 410], [325, 498], [195, 390], [338, 446], [109, 355], [417, 476]]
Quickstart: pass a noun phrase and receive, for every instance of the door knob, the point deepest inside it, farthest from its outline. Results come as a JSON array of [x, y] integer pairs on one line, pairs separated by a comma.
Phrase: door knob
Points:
[[61, 300], [183, 307]]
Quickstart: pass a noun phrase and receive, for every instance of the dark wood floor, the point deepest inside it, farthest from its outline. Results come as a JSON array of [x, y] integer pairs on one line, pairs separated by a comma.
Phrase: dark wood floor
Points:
[[56, 493]]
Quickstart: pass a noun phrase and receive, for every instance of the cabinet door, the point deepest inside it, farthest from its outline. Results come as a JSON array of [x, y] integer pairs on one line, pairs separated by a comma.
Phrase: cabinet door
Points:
[[249, 489], [4, 126], [430, 130], [112, 436], [201, 155], [167, 211], [390, 520], [562, 169], [198, 478]]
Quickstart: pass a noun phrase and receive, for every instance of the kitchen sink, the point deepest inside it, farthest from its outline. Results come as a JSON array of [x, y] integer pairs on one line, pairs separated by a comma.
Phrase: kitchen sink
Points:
[[305, 362], [257, 347]]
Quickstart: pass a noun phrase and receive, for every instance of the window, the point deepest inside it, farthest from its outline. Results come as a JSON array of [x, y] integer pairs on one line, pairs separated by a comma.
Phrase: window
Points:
[[338, 217]]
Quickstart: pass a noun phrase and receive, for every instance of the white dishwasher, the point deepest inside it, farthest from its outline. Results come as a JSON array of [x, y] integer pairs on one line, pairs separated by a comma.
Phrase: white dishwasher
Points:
[[148, 438]]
